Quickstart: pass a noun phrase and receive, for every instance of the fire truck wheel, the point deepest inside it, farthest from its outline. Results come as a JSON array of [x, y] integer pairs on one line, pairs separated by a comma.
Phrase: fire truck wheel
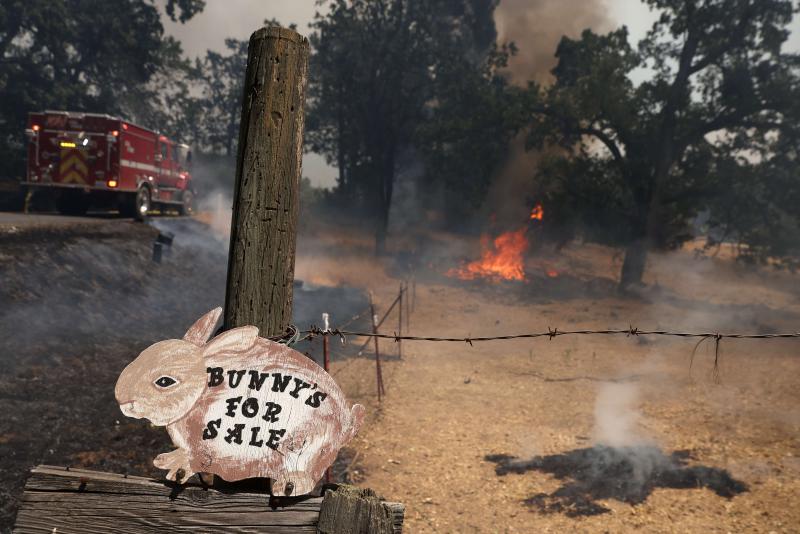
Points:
[[142, 203], [72, 203], [187, 207], [137, 205]]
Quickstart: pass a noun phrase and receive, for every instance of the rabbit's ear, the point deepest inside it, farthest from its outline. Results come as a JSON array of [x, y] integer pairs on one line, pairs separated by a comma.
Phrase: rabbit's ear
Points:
[[234, 340], [200, 331]]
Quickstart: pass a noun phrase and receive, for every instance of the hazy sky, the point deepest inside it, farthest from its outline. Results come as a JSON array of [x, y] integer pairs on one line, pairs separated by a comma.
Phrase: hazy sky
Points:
[[239, 18]]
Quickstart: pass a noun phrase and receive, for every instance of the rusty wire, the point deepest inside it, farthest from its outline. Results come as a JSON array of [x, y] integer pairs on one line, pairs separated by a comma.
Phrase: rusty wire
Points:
[[550, 334], [292, 335]]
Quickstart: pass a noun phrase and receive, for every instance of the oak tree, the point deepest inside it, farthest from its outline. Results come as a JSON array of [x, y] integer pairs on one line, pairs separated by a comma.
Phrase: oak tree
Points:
[[640, 160]]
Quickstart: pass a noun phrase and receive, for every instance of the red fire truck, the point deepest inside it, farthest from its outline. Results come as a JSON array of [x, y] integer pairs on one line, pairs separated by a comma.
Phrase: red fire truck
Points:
[[93, 160]]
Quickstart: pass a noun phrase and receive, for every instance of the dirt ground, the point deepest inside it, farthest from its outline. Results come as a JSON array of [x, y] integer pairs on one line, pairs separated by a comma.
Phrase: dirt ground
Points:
[[579, 433]]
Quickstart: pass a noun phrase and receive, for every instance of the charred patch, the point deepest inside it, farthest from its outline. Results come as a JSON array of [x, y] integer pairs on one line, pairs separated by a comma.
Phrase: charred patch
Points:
[[626, 474]]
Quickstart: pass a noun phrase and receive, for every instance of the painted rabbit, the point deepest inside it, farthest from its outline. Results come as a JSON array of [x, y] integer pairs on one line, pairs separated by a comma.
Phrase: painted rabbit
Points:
[[239, 406]]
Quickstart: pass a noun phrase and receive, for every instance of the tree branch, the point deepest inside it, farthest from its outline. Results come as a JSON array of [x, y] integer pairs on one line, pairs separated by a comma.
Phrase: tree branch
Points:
[[606, 139], [731, 120], [603, 137]]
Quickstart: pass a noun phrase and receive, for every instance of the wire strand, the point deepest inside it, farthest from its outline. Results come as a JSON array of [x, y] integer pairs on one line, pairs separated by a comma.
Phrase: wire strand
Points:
[[550, 334]]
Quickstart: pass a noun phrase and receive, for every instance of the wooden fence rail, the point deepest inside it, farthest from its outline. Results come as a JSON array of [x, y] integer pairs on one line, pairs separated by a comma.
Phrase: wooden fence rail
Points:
[[65, 501]]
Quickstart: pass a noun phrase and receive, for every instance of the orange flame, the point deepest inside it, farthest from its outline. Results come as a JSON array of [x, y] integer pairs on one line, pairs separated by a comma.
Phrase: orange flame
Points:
[[500, 260], [537, 213]]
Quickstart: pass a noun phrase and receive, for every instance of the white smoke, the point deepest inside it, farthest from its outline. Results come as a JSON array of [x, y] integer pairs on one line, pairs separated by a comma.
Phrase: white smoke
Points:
[[216, 208], [617, 416]]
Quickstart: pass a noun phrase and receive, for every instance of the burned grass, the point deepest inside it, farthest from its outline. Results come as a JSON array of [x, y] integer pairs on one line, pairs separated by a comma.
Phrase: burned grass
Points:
[[626, 474], [80, 301]]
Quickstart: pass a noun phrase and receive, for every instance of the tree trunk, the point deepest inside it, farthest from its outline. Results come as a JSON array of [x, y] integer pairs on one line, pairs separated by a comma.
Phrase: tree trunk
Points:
[[266, 195], [634, 264], [380, 239], [382, 227], [385, 191], [636, 253]]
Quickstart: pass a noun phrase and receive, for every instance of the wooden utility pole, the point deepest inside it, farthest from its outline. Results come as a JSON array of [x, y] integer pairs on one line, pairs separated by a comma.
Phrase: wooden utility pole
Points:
[[266, 194]]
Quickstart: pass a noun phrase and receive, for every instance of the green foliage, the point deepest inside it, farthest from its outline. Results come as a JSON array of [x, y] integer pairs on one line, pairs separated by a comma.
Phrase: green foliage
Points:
[[645, 159], [369, 83], [759, 207], [186, 8]]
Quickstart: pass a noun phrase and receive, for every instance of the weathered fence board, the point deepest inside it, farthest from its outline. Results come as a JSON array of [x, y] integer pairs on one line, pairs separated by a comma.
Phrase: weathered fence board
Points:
[[80, 501]]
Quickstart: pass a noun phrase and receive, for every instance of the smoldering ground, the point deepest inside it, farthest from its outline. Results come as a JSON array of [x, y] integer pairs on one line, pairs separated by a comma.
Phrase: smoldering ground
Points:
[[625, 463], [627, 474], [79, 303]]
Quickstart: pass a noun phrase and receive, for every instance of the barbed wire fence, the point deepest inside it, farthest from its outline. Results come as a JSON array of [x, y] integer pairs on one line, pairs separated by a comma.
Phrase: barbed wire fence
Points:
[[551, 333], [341, 332], [402, 304]]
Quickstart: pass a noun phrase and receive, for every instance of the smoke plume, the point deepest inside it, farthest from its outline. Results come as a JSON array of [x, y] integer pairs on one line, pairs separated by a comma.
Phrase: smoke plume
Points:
[[616, 415], [536, 27]]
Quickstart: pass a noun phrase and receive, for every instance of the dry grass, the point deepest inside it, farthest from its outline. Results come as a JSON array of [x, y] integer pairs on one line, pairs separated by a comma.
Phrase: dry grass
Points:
[[448, 406]]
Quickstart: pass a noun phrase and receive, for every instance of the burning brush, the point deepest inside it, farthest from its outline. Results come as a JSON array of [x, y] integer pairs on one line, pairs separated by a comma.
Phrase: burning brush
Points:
[[503, 257]]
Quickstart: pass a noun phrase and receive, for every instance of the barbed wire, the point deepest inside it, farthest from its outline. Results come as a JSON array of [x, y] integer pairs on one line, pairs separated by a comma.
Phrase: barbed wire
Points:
[[551, 333], [293, 335]]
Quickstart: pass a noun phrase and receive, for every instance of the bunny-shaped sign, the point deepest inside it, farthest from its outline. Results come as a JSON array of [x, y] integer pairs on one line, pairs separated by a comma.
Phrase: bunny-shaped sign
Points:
[[239, 406]]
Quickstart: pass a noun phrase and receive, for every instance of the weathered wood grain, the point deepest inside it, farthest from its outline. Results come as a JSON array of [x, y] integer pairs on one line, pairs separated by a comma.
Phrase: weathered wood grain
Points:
[[81, 501], [349, 510], [266, 195]]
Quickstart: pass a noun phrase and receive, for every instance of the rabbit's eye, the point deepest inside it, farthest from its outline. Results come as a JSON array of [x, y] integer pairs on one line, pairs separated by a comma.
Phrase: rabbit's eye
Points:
[[165, 382]]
